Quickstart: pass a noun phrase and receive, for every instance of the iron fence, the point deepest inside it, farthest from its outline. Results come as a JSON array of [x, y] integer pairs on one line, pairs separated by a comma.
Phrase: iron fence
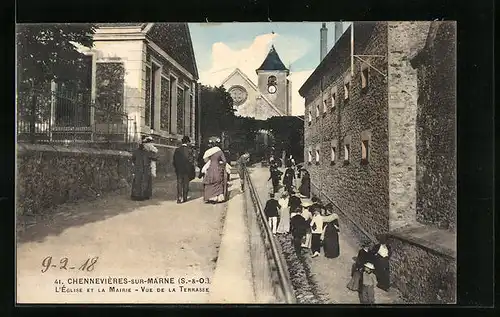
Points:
[[70, 118]]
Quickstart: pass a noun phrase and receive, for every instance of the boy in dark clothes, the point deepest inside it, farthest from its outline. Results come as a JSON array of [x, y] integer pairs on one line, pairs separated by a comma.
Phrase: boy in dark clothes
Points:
[[271, 211]]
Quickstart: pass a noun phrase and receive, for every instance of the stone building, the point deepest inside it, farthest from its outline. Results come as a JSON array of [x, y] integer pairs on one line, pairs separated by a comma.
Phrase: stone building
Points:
[[373, 147], [271, 96], [148, 72]]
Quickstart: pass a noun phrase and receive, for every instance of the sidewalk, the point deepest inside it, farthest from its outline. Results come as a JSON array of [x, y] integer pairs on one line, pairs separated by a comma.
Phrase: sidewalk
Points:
[[233, 282], [155, 238], [331, 275]]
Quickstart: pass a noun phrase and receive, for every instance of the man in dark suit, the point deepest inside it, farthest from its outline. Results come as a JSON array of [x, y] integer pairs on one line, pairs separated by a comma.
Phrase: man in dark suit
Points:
[[184, 169]]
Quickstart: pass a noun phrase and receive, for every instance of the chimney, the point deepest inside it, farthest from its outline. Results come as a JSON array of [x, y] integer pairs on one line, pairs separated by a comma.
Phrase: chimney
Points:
[[323, 40], [338, 31]]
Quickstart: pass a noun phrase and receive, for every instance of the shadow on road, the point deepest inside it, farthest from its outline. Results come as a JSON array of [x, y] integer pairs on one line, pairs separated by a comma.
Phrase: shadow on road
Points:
[[76, 214]]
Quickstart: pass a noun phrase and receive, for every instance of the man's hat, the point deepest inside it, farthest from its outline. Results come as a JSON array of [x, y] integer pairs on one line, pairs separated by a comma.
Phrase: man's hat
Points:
[[369, 265]]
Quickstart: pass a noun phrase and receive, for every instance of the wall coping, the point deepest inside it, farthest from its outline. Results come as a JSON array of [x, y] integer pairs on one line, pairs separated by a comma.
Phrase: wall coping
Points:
[[27, 147], [434, 240]]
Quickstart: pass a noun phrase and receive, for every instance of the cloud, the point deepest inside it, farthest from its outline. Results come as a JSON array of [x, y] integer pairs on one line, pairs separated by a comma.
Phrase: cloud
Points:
[[225, 59]]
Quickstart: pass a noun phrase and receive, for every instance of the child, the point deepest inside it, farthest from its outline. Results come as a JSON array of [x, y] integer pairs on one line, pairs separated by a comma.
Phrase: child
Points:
[[358, 268], [316, 231], [367, 295], [298, 228], [148, 146], [306, 204], [271, 212]]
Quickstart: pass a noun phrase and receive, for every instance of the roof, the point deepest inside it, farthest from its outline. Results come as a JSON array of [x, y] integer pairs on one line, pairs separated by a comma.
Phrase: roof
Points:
[[272, 62], [339, 52], [175, 40]]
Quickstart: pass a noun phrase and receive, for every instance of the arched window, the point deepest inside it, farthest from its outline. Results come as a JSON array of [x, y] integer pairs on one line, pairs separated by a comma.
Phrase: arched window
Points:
[[271, 80]]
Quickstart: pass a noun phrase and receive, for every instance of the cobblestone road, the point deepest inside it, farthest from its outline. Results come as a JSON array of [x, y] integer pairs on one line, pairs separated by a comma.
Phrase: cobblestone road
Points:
[[331, 275], [133, 240]]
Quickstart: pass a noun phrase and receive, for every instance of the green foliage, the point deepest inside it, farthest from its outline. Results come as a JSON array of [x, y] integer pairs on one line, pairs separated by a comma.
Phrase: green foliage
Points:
[[217, 113], [45, 52]]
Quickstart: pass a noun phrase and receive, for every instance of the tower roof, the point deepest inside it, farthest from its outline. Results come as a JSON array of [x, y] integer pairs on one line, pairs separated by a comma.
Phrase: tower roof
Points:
[[272, 62]]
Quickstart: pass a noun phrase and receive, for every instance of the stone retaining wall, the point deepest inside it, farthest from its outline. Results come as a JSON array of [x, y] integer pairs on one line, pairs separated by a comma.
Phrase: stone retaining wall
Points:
[[50, 175]]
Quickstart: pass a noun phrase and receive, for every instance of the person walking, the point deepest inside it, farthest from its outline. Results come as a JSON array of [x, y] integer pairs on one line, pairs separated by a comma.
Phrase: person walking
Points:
[[275, 178], [330, 238], [184, 169], [242, 164], [284, 224], [214, 173], [289, 178], [305, 186], [381, 253], [271, 210], [316, 230], [142, 184]]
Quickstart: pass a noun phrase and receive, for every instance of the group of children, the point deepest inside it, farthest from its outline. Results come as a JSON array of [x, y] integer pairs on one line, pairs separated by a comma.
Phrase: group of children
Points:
[[311, 224]]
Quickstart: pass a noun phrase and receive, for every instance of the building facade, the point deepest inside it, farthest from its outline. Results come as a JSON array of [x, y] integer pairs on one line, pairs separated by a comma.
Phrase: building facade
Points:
[[371, 145], [152, 71], [270, 97]]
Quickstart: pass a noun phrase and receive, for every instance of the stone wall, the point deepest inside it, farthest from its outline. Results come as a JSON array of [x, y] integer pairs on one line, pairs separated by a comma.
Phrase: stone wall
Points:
[[51, 175], [404, 39], [360, 190], [436, 121], [421, 274]]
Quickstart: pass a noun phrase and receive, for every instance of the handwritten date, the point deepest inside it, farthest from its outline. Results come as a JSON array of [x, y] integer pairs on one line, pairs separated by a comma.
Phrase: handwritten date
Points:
[[87, 265]]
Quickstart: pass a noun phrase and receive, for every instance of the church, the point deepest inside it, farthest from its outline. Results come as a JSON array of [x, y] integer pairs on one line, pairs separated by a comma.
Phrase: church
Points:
[[271, 96]]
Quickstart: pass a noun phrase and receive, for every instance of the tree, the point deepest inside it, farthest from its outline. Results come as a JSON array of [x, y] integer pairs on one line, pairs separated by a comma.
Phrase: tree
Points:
[[288, 135], [217, 113], [46, 52]]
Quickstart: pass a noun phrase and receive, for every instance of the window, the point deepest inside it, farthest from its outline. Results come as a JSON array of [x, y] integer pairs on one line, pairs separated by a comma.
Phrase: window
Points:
[[271, 80], [317, 155], [347, 150], [365, 151], [180, 110], [317, 111], [346, 90], [152, 92], [165, 104], [364, 78], [325, 106], [334, 97], [309, 156], [172, 105], [310, 116], [333, 150]]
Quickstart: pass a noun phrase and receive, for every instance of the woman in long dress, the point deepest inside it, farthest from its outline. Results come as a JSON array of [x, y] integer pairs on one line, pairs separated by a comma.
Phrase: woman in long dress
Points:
[[284, 225], [331, 246], [142, 158], [215, 174], [305, 186], [381, 253], [289, 178]]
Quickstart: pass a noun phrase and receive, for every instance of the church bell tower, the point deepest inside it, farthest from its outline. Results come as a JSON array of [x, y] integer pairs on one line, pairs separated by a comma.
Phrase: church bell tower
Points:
[[273, 82]]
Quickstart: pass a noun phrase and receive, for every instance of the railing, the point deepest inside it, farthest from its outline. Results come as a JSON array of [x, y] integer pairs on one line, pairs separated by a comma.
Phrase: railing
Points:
[[344, 214], [71, 119], [270, 274]]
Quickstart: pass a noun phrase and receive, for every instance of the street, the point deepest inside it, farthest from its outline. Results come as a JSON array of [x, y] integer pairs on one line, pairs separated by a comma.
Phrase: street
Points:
[[331, 275], [124, 239]]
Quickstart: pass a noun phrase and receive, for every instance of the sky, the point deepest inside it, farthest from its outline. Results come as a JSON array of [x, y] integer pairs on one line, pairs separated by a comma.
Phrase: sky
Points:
[[221, 47]]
